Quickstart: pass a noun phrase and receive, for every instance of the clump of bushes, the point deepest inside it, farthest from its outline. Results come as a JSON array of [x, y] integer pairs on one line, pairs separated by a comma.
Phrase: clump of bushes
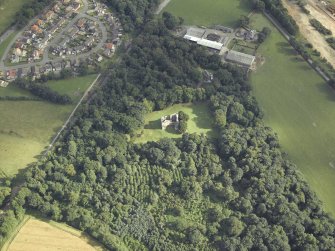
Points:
[[331, 42], [183, 118], [319, 27]]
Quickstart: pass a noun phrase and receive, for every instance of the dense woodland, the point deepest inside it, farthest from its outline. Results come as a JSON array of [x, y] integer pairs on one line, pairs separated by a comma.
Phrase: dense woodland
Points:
[[233, 192]]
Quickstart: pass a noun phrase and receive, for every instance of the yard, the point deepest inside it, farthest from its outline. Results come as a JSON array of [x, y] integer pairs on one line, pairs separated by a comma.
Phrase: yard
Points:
[[35, 234], [28, 126], [299, 106], [200, 122], [200, 12]]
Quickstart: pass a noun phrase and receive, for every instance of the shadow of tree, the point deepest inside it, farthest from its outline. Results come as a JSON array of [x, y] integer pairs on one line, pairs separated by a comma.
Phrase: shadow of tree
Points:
[[154, 124]]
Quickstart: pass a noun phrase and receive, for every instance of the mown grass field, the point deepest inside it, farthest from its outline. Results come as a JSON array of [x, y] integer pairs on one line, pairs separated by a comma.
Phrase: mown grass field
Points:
[[26, 127], [8, 10], [200, 122], [300, 107], [200, 12], [74, 87], [35, 234]]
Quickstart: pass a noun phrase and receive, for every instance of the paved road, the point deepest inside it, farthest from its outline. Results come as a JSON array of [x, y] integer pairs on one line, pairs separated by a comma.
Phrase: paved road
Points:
[[56, 39], [5, 35], [278, 26]]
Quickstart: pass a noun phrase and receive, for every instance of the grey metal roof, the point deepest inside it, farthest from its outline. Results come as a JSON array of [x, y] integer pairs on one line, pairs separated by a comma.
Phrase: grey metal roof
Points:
[[239, 57]]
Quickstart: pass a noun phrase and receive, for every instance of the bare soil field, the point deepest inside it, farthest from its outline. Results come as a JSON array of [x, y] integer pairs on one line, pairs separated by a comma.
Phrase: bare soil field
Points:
[[36, 235], [309, 32]]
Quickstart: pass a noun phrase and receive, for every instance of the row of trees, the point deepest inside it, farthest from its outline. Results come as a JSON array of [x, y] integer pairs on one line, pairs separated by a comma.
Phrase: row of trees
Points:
[[276, 9], [42, 91], [320, 27]]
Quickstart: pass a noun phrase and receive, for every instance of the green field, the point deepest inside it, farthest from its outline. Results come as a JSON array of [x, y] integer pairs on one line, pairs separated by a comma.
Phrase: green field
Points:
[[26, 127], [200, 12], [6, 43], [300, 107], [200, 122], [8, 10], [74, 87]]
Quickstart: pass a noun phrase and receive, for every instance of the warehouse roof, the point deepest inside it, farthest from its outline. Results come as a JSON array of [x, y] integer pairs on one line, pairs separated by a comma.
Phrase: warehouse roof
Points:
[[241, 58], [210, 44], [194, 34]]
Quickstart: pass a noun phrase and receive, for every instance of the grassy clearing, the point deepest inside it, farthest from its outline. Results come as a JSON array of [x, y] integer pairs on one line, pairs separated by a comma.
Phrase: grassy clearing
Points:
[[27, 127], [200, 122], [299, 106], [200, 12], [35, 234], [8, 10]]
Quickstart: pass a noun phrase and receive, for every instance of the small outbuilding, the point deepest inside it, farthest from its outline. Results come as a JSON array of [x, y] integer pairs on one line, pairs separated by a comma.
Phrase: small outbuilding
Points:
[[240, 58]]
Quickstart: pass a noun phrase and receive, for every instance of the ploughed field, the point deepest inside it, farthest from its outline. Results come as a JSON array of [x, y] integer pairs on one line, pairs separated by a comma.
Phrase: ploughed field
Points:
[[37, 235], [298, 104]]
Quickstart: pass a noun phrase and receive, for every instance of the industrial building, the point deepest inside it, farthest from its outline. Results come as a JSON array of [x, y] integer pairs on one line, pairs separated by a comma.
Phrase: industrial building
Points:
[[199, 35], [240, 58]]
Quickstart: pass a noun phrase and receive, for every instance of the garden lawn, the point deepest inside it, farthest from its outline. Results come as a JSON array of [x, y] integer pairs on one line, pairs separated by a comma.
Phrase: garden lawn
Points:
[[200, 121], [300, 107], [27, 127], [201, 12]]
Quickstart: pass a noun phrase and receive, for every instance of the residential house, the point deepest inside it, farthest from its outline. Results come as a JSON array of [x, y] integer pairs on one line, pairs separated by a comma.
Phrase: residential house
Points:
[[49, 15], [76, 6], [11, 74], [56, 8], [39, 22], [89, 42], [3, 83], [81, 23], [57, 67]]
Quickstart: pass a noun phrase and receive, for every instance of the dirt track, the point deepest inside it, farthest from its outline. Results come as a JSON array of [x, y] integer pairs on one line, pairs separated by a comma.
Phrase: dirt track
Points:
[[312, 35]]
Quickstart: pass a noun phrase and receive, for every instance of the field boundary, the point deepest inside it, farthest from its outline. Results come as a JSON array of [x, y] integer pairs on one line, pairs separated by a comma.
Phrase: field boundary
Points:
[[288, 38], [17, 229], [61, 226]]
